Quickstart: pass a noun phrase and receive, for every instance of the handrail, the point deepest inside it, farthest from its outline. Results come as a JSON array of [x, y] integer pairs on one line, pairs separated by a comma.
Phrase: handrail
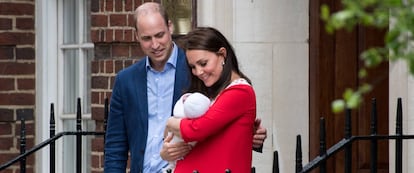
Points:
[[342, 143], [51, 141], [45, 143], [346, 143]]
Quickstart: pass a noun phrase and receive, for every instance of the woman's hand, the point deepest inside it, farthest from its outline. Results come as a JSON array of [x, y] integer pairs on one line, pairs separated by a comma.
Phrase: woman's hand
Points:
[[174, 151]]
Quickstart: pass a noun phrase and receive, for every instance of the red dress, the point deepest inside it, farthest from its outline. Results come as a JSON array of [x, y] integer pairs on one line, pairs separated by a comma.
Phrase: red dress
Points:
[[224, 134]]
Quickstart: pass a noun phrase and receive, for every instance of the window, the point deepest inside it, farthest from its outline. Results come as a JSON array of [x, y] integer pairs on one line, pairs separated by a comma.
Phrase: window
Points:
[[75, 52]]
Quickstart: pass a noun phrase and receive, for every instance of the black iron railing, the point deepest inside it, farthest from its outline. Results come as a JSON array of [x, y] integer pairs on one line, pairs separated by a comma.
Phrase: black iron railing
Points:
[[53, 137], [346, 144], [78, 133], [318, 162]]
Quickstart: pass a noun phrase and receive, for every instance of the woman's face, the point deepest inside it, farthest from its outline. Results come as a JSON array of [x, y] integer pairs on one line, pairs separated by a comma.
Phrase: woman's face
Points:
[[206, 65]]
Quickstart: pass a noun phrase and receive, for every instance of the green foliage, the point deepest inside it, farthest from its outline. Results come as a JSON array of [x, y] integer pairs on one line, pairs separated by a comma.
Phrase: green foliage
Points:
[[397, 16]]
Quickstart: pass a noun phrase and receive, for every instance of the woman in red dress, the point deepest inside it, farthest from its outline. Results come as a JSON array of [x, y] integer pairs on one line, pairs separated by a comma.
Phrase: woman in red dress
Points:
[[224, 133]]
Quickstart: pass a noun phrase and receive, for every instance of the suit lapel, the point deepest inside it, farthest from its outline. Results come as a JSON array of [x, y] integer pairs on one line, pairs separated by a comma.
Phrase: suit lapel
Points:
[[140, 78]]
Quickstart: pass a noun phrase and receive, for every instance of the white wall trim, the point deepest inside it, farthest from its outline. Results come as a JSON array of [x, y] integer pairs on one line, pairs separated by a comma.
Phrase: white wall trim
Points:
[[400, 86], [46, 84]]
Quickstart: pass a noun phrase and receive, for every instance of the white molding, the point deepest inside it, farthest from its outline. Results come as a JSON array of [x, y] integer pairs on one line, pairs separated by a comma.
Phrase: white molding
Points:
[[400, 86], [46, 84]]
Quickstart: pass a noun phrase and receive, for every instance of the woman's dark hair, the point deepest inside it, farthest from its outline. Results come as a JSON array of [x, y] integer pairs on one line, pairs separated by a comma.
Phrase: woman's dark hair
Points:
[[210, 39]]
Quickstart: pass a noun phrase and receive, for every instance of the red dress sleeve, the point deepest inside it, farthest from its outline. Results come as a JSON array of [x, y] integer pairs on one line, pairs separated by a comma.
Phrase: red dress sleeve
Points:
[[232, 103]]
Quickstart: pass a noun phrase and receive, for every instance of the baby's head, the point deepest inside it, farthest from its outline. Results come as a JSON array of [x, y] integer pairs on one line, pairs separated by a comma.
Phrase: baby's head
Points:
[[195, 105], [191, 105]]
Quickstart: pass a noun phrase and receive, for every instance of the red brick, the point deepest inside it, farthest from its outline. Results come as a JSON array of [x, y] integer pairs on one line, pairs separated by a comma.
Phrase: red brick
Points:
[[95, 67], [128, 34], [97, 113], [136, 51], [109, 66], [99, 125], [128, 5], [99, 82], [99, 20], [29, 142], [29, 169], [102, 35], [95, 98], [5, 157], [101, 66], [25, 84], [118, 6], [118, 20], [109, 5], [97, 144], [120, 50], [8, 170], [95, 36], [111, 83], [7, 84], [128, 63], [11, 38], [6, 115], [6, 143], [109, 37], [25, 53], [137, 3], [17, 99], [101, 5], [102, 51], [29, 129], [17, 68], [16, 9], [95, 161], [6, 128], [108, 95], [119, 65], [25, 23], [7, 52], [5, 24], [119, 35], [131, 21], [94, 5]]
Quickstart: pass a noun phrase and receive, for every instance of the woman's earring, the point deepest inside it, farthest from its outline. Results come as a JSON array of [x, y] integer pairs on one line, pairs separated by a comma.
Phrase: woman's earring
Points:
[[223, 63]]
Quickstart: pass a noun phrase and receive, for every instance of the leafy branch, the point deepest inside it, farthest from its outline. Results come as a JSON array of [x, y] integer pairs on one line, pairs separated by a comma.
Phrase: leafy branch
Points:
[[397, 16]]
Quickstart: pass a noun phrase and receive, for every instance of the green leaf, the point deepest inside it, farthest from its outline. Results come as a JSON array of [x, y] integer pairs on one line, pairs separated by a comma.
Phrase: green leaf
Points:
[[338, 106], [354, 100], [362, 73], [325, 12], [340, 18], [365, 88], [348, 93]]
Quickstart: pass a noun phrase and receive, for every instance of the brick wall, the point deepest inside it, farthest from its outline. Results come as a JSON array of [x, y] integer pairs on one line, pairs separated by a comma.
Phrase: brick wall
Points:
[[112, 33], [17, 78]]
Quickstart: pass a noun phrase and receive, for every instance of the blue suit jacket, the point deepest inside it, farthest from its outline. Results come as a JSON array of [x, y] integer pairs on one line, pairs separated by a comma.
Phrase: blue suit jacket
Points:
[[127, 127]]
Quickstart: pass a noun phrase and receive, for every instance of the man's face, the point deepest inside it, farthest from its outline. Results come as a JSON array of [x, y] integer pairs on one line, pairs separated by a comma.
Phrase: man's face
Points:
[[154, 36]]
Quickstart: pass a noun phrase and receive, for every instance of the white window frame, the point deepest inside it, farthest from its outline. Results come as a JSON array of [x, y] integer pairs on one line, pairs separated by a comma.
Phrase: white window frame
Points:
[[46, 75], [49, 72]]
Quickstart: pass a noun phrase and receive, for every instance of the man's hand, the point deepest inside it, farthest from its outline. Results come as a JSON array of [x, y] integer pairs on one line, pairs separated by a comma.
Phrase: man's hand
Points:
[[260, 134], [174, 151]]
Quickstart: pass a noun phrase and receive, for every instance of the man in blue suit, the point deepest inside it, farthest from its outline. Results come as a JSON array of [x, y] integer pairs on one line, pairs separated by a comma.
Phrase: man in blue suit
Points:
[[143, 97]]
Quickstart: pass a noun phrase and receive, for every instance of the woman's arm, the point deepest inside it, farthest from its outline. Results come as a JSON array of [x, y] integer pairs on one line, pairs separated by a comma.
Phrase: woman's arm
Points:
[[236, 102]]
